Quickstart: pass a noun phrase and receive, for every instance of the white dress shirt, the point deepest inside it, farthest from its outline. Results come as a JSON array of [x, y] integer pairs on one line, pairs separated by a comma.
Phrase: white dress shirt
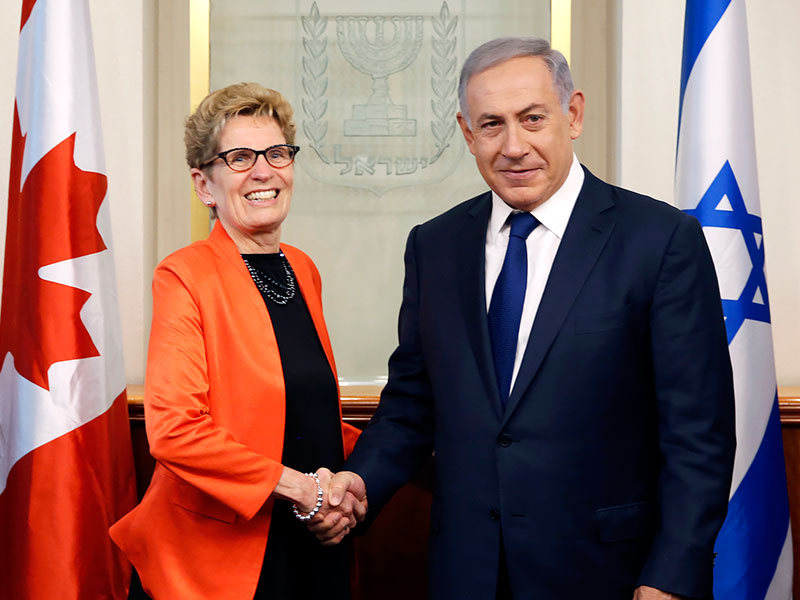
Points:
[[542, 245]]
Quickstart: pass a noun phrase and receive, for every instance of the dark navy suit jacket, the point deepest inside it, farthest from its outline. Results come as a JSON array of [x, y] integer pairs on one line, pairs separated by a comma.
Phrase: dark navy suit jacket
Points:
[[610, 467]]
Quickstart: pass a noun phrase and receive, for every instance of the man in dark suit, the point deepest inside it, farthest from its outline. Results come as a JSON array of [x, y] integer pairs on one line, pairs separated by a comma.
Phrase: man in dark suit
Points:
[[562, 350]]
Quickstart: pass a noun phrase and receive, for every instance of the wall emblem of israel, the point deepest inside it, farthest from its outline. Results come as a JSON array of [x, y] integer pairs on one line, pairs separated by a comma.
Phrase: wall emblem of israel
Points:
[[379, 95]]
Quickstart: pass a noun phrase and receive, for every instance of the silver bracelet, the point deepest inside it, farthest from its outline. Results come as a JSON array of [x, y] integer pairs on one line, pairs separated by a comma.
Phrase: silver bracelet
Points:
[[298, 515]]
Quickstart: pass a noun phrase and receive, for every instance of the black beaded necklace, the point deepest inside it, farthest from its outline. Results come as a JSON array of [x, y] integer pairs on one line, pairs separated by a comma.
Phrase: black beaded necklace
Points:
[[278, 292]]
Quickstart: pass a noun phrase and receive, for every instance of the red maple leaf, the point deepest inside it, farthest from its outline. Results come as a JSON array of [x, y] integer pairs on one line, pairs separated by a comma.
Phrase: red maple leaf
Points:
[[53, 218], [27, 7]]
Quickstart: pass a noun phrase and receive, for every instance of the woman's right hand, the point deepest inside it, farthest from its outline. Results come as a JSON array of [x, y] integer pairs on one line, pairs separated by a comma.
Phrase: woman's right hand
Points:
[[298, 488], [343, 511]]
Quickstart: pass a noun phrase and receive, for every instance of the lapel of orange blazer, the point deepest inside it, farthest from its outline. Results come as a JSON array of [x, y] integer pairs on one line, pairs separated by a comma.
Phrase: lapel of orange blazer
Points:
[[307, 277], [264, 376], [311, 288]]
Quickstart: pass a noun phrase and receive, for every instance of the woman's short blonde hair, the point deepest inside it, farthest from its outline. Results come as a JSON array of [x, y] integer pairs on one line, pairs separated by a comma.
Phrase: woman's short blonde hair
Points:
[[203, 127]]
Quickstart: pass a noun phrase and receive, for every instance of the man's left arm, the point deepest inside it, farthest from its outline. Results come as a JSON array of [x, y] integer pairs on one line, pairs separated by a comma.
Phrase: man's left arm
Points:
[[696, 431]]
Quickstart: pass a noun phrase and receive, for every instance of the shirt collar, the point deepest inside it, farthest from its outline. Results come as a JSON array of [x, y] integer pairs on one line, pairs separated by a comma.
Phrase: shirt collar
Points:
[[553, 214]]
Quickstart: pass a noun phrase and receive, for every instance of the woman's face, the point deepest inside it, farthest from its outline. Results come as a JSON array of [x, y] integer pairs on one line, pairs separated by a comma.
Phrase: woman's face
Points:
[[252, 204]]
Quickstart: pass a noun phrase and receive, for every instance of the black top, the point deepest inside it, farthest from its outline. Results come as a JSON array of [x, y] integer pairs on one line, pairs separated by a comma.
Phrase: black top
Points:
[[296, 565]]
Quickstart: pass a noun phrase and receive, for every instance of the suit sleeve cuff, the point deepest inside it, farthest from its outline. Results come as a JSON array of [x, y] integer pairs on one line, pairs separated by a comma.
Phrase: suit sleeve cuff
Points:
[[679, 569]]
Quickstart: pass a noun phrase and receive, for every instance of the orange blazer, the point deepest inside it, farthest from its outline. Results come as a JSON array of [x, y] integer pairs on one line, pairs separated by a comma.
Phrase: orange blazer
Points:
[[215, 410]]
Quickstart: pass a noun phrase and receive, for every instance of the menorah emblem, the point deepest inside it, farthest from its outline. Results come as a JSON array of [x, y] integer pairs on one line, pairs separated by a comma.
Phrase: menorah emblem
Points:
[[380, 57]]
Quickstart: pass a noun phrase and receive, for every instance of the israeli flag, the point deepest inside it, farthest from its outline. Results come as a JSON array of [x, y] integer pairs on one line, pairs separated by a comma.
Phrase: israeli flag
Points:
[[717, 182]]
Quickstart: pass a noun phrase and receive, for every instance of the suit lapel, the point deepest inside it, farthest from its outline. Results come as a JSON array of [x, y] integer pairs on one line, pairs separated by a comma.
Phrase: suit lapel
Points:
[[471, 254], [587, 232]]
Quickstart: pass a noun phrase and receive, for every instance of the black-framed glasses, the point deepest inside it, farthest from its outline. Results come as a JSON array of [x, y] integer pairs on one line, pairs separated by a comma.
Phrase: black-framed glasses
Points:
[[243, 159]]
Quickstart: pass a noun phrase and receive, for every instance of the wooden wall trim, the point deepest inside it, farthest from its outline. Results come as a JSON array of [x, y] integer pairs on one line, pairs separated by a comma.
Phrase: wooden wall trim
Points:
[[789, 401], [360, 401], [387, 555]]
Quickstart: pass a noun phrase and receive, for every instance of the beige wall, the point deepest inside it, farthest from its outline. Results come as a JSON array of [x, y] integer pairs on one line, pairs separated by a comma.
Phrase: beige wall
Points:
[[127, 49]]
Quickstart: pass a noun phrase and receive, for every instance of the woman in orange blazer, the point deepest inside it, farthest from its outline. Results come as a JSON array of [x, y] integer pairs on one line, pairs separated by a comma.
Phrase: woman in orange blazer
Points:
[[240, 395]]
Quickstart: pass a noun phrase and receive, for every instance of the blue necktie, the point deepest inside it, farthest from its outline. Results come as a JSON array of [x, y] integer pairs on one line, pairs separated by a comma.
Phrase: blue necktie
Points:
[[508, 297]]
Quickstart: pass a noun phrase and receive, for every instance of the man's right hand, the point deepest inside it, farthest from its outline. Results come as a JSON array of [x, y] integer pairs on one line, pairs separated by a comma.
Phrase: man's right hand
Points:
[[346, 504]]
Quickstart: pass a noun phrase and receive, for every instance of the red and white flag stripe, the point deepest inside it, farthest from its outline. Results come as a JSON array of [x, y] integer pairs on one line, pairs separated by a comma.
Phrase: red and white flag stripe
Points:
[[66, 468]]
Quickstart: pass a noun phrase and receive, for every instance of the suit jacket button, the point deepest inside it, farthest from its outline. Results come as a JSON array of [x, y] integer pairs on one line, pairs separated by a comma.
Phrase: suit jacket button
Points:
[[504, 440], [494, 515]]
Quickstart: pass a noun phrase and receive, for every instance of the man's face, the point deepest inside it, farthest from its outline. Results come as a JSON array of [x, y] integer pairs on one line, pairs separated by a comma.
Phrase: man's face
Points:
[[518, 132]]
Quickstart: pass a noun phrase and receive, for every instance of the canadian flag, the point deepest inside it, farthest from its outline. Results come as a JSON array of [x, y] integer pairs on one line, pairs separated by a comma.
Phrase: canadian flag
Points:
[[66, 466]]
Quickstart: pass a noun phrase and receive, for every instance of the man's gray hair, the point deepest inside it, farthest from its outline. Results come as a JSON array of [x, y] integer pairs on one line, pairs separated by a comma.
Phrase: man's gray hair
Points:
[[500, 50]]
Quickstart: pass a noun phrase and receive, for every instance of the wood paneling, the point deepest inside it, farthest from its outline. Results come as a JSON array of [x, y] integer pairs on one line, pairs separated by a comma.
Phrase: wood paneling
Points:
[[391, 556]]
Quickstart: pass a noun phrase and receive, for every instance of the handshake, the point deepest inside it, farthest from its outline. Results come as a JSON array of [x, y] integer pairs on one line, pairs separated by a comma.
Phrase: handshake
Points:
[[344, 505]]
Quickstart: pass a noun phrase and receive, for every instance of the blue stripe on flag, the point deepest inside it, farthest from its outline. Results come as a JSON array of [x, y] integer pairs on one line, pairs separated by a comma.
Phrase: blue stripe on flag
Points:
[[752, 537], [701, 18]]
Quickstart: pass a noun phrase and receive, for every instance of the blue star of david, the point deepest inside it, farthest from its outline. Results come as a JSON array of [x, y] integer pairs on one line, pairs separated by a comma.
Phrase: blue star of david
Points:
[[743, 308]]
